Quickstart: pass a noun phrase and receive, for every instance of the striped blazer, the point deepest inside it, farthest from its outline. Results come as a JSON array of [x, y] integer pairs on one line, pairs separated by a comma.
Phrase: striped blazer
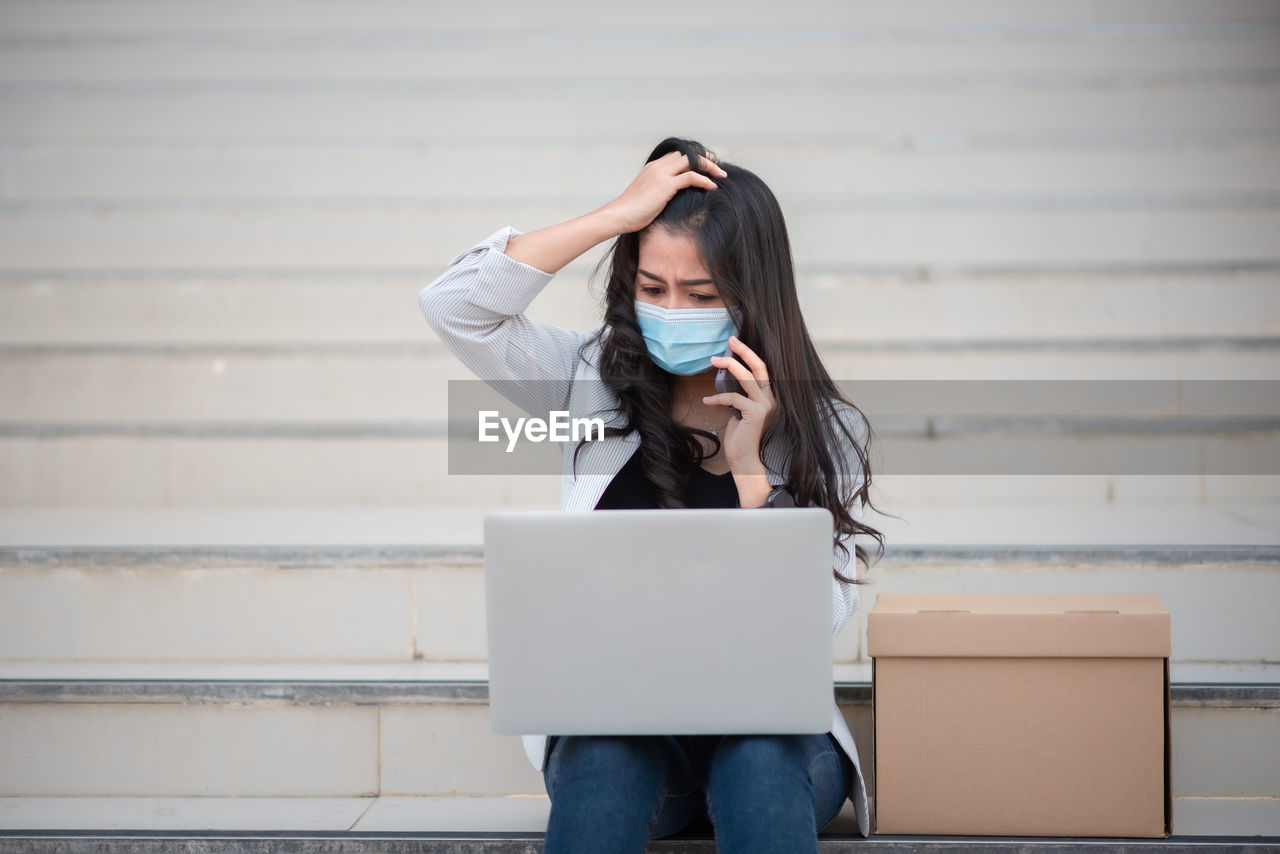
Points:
[[477, 308]]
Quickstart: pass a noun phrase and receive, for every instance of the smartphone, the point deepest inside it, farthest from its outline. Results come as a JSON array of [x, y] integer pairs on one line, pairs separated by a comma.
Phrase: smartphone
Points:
[[728, 383]]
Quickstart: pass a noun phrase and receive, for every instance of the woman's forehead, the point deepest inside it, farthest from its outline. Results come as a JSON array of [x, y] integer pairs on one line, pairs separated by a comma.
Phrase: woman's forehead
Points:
[[659, 245]]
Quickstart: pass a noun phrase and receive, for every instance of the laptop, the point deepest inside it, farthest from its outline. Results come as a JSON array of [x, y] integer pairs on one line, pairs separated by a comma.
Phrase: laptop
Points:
[[659, 622]]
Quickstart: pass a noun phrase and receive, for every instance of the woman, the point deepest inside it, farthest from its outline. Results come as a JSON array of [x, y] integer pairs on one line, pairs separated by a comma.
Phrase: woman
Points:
[[700, 279]]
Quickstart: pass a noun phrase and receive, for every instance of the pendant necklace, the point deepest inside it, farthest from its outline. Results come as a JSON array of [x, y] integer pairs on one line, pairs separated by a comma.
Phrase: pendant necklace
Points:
[[715, 431]]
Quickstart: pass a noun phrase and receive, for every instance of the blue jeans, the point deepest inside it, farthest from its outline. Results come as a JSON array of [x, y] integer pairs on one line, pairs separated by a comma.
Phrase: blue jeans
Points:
[[759, 793]]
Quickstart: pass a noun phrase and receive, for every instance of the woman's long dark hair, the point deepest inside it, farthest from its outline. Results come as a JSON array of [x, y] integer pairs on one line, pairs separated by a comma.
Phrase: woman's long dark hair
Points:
[[741, 238]]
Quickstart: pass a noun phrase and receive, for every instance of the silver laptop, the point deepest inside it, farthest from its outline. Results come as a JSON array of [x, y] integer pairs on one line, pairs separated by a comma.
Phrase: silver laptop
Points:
[[645, 622]]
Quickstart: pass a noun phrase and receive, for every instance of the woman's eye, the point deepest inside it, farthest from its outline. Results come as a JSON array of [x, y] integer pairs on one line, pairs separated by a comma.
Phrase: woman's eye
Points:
[[702, 297], [651, 291]]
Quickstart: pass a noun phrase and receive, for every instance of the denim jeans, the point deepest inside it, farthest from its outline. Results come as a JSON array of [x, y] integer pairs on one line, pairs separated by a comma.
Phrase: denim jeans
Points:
[[759, 793]]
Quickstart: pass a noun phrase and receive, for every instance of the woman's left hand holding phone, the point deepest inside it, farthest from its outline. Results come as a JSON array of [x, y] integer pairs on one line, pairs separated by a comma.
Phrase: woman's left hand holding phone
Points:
[[742, 436]]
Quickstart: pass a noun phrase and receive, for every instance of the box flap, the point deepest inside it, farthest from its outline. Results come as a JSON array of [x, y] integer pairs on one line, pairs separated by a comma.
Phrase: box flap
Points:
[[1018, 625]]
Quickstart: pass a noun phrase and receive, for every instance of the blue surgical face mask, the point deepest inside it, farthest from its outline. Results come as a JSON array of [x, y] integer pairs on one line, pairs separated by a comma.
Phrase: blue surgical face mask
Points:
[[683, 340]]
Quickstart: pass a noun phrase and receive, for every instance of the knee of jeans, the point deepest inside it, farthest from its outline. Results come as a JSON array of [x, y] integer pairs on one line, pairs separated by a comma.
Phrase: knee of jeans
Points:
[[757, 778], [758, 751], [830, 786], [608, 748], [599, 755]]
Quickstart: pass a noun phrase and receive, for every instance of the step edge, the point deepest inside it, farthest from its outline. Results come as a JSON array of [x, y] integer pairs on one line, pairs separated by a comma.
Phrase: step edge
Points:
[[412, 556], [1254, 695]]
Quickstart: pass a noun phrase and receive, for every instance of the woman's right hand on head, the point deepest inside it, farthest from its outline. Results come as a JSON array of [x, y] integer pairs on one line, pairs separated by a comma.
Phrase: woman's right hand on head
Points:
[[657, 182], [550, 249]]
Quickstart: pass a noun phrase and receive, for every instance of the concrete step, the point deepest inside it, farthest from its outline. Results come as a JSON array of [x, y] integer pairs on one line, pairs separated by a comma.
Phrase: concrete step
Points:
[[1070, 101], [969, 516], [416, 841], [1136, 518], [256, 467], [1125, 316], [1007, 235], [872, 47], [378, 386], [423, 750], [330, 16], [420, 604], [283, 465], [500, 170], [159, 679]]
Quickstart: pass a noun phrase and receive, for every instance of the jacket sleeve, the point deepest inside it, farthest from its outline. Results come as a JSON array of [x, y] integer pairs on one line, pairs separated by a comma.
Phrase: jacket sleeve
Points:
[[477, 308]]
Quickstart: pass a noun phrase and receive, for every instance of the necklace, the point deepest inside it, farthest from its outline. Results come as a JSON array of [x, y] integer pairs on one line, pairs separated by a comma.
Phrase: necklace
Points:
[[715, 431]]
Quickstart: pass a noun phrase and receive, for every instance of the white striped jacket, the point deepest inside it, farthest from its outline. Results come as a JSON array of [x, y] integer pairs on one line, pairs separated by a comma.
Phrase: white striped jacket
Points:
[[477, 308]]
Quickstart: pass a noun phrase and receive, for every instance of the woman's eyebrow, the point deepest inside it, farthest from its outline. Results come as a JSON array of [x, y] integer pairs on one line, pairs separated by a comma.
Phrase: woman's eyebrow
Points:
[[686, 282]]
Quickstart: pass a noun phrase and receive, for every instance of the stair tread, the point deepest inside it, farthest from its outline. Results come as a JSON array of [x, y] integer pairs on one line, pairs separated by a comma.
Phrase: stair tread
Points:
[[385, 681], [381, 820], [1161, 523]]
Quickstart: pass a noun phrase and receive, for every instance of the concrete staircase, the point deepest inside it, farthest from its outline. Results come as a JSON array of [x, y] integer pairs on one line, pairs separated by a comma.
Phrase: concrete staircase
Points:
[[239, 590], [327, 690]]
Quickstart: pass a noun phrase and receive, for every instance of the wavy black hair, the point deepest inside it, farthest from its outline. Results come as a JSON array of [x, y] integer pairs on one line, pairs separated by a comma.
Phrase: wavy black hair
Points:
[[741, 238]]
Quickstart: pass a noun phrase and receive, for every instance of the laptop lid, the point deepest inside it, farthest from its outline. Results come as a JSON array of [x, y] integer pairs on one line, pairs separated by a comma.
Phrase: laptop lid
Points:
[[647, 622]]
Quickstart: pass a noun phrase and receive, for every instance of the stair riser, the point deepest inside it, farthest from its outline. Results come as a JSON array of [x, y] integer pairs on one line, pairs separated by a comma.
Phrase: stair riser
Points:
[[294, 467], [914, 50], [1217, 613], [186, 309], [420, 235], [336, 388], [177, 613], [265, 749], [333, 19]]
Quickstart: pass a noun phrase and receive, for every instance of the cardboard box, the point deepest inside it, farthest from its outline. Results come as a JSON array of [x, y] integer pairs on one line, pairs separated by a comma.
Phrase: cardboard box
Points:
[[1021, 715]]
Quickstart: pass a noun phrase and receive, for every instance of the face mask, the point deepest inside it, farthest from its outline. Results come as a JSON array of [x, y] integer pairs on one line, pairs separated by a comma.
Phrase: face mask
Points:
[[683, 340]]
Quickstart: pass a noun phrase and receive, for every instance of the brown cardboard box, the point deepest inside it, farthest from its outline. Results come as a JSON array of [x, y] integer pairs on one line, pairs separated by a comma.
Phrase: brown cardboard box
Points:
[[1021, 715]]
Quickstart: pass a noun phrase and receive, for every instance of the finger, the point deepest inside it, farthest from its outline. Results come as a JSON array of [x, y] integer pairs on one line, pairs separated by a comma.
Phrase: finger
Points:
[[696, 179], [709, 164], [740, 373], [671, 163], [732, 399], [727, 398], [680, 162], [750, 383], [706, 163], [748, 356]]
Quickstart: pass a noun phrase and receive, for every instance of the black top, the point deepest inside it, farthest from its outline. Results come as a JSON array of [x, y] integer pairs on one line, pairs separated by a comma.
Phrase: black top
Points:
[[631, 490]]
